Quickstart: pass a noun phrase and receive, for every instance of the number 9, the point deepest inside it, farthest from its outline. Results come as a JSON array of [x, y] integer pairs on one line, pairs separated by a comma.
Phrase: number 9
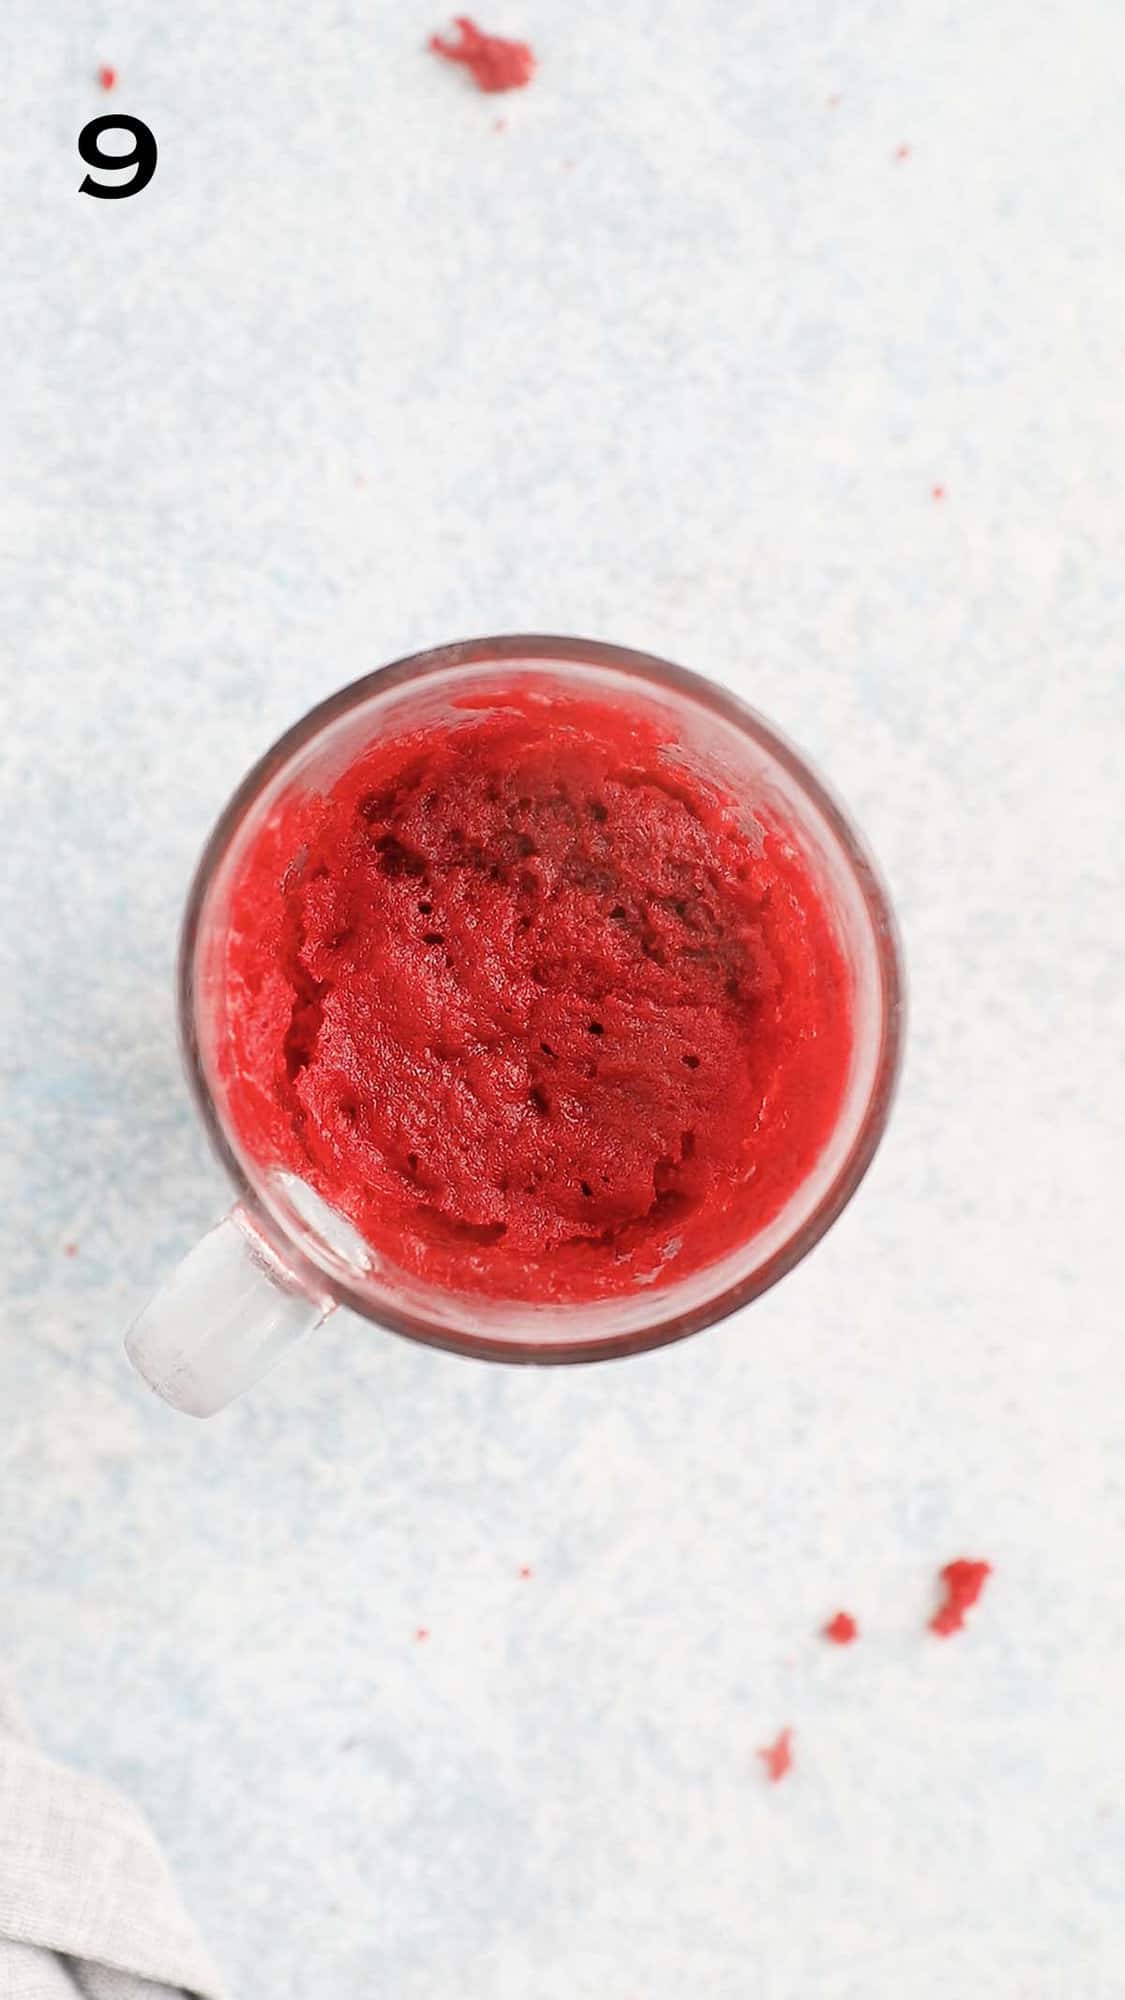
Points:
[[143, 156]]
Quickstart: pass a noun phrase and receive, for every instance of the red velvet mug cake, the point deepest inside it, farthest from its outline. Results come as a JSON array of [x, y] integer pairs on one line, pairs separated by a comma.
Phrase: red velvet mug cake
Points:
[[541, 1004]]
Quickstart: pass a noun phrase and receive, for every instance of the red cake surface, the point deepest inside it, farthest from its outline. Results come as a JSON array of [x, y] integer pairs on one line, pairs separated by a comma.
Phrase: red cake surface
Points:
[[545, 1014]]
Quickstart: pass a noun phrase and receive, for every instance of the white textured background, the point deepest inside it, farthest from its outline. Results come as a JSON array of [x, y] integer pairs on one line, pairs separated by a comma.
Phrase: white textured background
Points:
[[675, 359]]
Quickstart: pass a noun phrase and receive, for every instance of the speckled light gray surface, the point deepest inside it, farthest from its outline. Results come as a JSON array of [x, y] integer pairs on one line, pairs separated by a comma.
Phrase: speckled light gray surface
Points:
[[676, 358]]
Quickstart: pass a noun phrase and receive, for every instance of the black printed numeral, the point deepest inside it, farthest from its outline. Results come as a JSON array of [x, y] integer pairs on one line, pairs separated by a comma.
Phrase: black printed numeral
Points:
[[142, 157]]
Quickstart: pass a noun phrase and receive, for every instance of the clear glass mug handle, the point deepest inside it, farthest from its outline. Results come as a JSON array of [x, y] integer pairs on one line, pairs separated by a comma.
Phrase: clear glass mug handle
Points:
[[223, 1318]]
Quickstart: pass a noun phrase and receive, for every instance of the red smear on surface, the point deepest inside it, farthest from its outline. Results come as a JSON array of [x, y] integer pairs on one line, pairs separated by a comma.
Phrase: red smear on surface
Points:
[[841, 1629], [938, 492], [493, 63], [526, 1571], [422, 1633], [107, 77], [778, 1757], [70, 1249], [963, 1581], [524, 996], [902, 152]]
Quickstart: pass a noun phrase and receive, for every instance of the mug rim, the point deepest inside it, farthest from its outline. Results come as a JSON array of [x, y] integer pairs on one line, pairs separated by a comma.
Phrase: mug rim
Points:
[[539, 648]]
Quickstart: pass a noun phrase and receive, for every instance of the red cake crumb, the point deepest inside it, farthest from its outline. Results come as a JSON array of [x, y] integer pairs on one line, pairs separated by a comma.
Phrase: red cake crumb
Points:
[[107, 76], [937, 492], [902, 152], [422, 1634], [778, 1757], [526, 1572], [841, 1629], [964, 1581], [494, 63]]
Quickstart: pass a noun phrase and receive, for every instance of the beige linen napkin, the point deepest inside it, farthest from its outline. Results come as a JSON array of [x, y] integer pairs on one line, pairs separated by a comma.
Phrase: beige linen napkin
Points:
[[86, 1902]]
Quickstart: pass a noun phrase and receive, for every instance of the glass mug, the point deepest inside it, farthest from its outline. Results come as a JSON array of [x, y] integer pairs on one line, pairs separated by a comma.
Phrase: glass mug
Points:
[[282, 1259]]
